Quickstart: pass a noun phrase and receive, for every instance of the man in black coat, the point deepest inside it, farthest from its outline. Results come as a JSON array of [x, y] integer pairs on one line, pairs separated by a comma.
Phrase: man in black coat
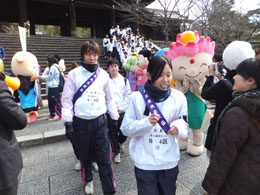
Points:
[[12, 117]]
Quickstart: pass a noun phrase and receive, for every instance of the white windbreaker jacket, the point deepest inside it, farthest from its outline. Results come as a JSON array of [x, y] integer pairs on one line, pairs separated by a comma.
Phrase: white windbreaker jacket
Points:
[[150, 147]]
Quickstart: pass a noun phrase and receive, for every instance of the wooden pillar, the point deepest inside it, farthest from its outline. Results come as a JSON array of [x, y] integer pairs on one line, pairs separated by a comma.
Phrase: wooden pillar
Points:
[[22, 12], [92, 31], [32, 27], [72, 18], [113, 16]]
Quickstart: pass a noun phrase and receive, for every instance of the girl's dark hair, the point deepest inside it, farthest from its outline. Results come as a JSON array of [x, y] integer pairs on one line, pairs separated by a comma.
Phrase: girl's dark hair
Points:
[[112, 61], [156, 66], [73, 65], [58, 57], [250, 68], [51, 60], [89, 46], [146, 53]]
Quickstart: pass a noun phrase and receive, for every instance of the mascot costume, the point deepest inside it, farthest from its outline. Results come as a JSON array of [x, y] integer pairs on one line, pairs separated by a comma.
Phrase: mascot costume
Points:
[[141, 70], [25, 66], [236, 52], [130, 68], [190, 56], [12, 82]]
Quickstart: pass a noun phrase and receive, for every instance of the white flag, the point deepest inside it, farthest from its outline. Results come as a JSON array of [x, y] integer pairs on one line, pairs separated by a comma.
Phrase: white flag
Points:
[[22, 33]]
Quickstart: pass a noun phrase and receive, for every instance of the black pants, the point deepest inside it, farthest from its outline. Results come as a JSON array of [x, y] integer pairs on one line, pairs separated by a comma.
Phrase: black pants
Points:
[[70, 136], [116, 135], [91, 137], [10, 191], [161, 182], [54, 101]]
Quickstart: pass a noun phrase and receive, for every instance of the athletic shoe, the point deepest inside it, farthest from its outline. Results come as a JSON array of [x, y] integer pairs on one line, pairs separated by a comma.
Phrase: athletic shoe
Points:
[[122, 148], [117, 158], [77, 166], [89, 188], [95, 166], [52, 118], [58, 119]]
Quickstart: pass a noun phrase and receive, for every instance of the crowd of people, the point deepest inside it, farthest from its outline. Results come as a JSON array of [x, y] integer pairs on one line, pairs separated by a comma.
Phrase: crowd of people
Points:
[[123, 43], [153, 116]]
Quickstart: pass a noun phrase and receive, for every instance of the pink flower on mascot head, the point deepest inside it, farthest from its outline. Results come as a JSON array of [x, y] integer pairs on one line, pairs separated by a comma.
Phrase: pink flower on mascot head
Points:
[[190, 56]]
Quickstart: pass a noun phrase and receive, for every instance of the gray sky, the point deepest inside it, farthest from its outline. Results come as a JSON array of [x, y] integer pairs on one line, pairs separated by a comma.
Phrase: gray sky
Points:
[[240, 5]]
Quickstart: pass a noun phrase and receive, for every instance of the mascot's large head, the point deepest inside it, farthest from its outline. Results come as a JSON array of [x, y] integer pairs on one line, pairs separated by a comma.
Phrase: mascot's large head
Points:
[[24, 64], [236, 52], [190, 55], [1, 65], [130, 63], [143, 58]]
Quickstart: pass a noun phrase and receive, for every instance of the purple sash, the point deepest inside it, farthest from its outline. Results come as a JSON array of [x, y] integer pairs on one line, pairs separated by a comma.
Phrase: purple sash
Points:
[[154, 109], [85, 86]]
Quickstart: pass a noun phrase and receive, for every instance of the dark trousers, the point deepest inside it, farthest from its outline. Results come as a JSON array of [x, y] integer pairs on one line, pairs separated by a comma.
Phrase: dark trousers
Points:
[[115, 134], [70, 136], [161, 182], [54, 101], [91, 137], [10, 191]]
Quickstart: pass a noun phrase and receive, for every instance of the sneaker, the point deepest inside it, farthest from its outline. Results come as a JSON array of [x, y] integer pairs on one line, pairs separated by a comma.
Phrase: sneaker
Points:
[[95, 166], [89, 188], [77, 166], [51, 118], [58, 119], [122, 148], [117, 158]]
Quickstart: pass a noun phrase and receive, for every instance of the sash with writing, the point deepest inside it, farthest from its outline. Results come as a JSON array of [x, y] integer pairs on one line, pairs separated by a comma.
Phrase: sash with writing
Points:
[[154, 109], [85, 85]]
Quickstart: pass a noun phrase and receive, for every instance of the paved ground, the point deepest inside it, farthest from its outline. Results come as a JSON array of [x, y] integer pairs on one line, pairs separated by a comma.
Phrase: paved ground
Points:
[[49, 165]]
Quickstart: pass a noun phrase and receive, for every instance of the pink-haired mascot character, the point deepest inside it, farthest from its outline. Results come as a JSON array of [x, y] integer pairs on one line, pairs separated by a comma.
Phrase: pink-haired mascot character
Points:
[[191, 55]]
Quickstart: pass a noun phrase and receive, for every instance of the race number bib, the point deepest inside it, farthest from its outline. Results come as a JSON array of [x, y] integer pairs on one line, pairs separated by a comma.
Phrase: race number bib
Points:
[[157, 141]]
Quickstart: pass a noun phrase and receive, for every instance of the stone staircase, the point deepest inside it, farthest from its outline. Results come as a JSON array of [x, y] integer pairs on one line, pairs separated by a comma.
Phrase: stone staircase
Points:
[[42, 46]]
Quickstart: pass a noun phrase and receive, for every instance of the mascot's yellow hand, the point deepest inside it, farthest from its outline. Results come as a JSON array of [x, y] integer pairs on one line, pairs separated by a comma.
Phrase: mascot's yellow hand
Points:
[[34, 77], [186, 86], [133, 69]]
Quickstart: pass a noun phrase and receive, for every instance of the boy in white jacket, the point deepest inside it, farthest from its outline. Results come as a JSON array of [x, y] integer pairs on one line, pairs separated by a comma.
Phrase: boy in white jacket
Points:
[[121, 91]]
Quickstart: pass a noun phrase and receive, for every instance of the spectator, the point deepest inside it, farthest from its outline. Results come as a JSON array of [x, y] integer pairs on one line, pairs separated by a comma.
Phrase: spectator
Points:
[[221, 92], [27, 26], [235, 161], [12, 117], [52, 82]]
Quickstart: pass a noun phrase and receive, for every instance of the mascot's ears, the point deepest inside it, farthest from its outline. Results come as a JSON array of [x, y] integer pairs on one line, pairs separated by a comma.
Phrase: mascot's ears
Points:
[[20, 58], [143, 60]]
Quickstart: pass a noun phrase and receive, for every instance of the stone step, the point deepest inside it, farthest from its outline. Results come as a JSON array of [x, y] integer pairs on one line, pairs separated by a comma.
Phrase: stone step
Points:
[[42, 46], [42, 131]]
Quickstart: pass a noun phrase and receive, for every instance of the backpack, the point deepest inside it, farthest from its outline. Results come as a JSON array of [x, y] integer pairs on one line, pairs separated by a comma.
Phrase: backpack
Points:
[[61, 81]]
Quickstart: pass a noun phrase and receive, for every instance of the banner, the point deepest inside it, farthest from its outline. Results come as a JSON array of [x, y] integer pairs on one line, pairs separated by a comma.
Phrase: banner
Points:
[[22, 34]]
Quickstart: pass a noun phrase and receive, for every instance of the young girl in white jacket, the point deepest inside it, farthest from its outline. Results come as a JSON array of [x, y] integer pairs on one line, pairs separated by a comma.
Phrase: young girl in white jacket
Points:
[[154, 149]]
